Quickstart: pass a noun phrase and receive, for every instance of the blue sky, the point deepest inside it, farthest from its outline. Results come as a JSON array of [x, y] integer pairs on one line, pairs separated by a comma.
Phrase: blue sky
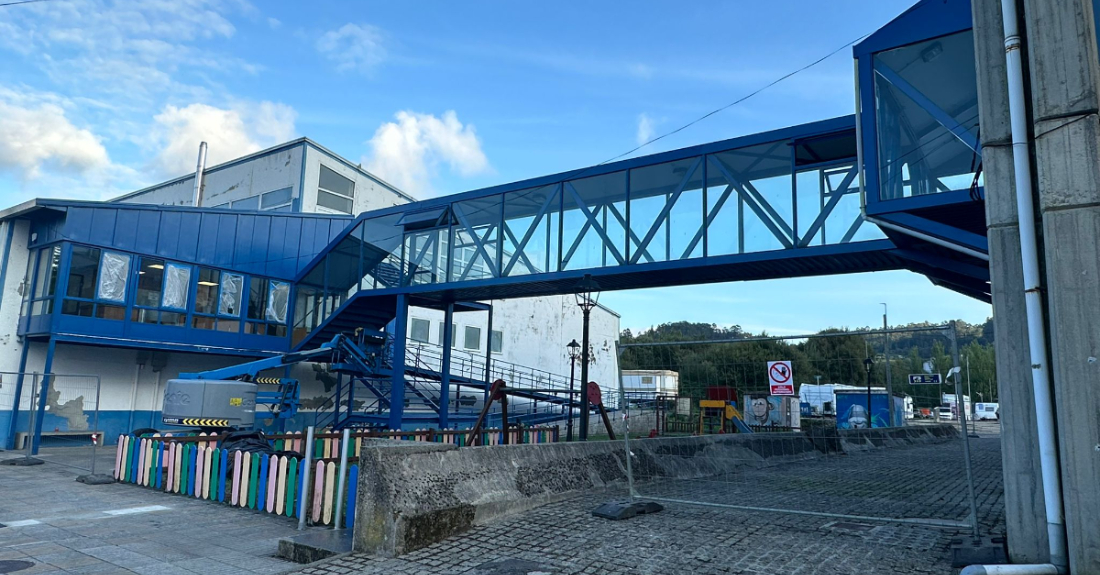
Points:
[[98, 98]]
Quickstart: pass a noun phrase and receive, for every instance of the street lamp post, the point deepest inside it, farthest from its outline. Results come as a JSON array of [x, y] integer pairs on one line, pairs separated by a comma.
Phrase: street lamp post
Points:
[[588, 295], [574, 352], [868, 363]]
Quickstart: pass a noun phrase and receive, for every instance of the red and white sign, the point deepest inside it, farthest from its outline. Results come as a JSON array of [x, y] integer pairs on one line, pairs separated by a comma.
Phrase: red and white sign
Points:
[[779, 378]]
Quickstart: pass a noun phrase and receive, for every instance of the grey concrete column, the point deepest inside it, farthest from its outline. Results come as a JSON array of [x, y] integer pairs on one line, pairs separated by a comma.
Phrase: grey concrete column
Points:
[[1064, 72], [1024, 511]]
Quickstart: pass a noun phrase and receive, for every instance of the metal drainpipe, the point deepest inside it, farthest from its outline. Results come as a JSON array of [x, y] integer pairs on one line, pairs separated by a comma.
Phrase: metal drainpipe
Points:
[[200, 168], [1036, 320]]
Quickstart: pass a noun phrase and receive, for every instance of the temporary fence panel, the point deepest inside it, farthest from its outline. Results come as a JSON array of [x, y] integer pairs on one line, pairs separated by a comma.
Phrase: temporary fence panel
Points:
[[726, 437]]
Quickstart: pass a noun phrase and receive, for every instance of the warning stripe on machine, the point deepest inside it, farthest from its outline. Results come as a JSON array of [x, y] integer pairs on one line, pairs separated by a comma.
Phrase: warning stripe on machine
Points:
[[269, 380], [204, 422]]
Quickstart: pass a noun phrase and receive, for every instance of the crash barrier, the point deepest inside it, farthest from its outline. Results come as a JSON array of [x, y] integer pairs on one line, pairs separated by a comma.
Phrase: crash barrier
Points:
[[195, 465]]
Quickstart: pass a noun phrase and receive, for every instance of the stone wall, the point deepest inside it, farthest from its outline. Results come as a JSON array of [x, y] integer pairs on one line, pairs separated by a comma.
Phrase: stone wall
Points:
[[411, 495]]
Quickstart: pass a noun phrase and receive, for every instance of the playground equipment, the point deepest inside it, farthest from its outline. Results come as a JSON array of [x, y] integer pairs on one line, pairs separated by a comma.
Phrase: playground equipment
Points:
[[714, 415]]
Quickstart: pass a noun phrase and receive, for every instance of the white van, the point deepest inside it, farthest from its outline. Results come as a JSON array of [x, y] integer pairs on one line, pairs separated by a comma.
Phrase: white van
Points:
[[987, 411]]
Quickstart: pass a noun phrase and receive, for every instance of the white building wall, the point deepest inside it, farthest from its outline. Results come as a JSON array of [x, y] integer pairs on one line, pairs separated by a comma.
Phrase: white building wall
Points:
[[535, 334], [263, 173], [370, 192]]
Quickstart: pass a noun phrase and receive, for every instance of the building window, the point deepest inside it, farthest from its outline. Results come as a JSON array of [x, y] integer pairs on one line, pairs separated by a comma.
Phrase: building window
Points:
[[277, 200], [334, 191], [267, 307], [647, 380], [454, 334], [496, 341], [473, 337], [150, 283], [232, 292], [161, 293], [45, 282], [252, 203], [97, 283], [114, 270], [418, 330]]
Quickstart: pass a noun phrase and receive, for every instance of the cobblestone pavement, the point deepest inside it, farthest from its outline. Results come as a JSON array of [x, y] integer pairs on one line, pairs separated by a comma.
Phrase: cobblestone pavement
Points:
[[564, 538], [61, 526]]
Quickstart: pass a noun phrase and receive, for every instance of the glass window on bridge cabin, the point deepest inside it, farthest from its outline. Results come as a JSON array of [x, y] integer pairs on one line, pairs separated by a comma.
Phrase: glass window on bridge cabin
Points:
[[419, 329], [334, 191], [926, 117], [161, 292], [473, 338]]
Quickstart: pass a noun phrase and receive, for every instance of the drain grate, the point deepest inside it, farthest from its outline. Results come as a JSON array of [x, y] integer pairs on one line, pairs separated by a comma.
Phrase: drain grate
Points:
[[11, 566]]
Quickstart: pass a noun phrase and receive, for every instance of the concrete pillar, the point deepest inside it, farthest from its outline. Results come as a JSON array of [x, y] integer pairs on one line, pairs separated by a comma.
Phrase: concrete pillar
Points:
[[1024, 511], [1064, 69]]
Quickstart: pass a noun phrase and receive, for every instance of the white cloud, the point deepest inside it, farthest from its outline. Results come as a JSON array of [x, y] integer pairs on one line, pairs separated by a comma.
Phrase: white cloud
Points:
[[354, 47], [645, 129], [36, 132], [229, 133], [408, 151], [132, 51], [274, 23]]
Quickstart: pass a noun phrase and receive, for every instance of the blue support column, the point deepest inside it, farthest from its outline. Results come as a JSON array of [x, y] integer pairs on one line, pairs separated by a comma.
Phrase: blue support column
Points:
[[47, 379], [397, 389], [445, 376]]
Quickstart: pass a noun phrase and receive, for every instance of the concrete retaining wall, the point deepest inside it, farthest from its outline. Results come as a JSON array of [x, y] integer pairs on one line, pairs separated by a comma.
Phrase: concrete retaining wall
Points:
[[412, 495]]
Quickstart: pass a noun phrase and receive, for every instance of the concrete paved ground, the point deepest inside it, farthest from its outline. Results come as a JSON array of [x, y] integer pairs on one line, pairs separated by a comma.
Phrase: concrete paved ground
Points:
[[61, 526], [564, 538]]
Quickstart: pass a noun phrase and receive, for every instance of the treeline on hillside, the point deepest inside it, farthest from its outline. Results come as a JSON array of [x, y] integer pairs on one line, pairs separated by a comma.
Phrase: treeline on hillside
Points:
[[835, 359]]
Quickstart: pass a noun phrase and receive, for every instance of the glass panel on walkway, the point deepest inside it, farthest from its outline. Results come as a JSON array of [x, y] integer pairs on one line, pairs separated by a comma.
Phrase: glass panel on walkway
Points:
[[532, 220], [594, 222], [926, 108], [666, 211]]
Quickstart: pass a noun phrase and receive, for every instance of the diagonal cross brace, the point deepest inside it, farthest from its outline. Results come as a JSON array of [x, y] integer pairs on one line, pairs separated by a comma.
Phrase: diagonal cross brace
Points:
[[478, 244], [663, 216], [828, 208], [622, 222], [760, 206], [594, 224], [531, 230]]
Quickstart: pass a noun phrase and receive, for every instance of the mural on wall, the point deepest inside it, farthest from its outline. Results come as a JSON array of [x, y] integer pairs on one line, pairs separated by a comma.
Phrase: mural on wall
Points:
[[764, 410], [851, 411], [72, 411]]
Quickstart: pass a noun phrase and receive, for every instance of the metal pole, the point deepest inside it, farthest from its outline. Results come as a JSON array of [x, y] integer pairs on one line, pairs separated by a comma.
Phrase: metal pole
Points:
[[572, 372], [889, 379], [965, 433], [95, 422], [303, 494], [626, 421], [870, 419], [29, 440], [489, 355], [345, 441], [584, 376]]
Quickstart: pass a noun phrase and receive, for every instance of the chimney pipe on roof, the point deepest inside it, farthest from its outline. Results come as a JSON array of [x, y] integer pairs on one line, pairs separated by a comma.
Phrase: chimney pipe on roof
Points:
[[200, 168]]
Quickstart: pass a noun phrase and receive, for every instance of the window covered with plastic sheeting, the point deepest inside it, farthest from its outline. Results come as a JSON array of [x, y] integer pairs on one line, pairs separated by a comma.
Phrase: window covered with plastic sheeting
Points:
[[231, 294], [278, 298], [114, 269], [177, 279]]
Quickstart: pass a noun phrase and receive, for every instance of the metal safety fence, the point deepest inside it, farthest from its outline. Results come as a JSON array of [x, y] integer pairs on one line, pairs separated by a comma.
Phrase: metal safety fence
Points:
[[839, 425], [56, 410]]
